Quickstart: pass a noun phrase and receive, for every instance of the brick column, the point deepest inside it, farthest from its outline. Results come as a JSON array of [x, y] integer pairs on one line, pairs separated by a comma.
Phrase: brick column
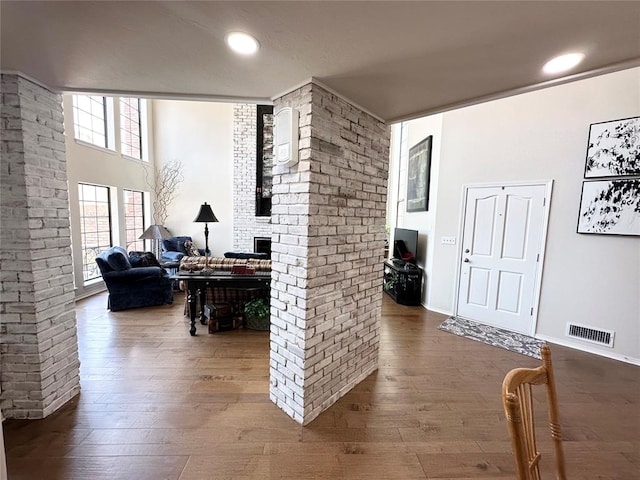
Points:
[[39, 366], [328, 243], [246, 225]]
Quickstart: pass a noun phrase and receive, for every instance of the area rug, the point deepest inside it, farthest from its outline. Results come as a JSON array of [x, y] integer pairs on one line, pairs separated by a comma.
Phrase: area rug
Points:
[[497, 337]]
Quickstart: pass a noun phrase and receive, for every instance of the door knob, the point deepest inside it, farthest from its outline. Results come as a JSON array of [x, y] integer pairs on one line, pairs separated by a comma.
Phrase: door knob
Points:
[[466, 250], [466, 260]]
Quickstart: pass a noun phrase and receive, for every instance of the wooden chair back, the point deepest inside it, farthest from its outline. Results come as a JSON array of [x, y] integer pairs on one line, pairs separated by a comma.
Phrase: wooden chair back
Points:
[[517, 399]]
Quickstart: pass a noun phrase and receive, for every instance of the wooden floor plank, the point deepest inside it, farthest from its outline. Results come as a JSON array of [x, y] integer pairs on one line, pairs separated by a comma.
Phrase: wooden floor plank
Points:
[[157, 403]]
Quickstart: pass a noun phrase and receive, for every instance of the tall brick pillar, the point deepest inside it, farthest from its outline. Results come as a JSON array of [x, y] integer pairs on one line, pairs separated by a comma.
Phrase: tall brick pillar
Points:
[[328, 220], [39, 366]]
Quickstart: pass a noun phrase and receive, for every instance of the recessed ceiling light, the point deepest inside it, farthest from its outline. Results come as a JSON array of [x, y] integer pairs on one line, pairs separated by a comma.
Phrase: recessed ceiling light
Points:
[[562, 63], [242, 43]]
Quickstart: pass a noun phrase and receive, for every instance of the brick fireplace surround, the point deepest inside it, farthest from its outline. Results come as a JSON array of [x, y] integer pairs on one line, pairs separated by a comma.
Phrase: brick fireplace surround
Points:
[[262, 245]]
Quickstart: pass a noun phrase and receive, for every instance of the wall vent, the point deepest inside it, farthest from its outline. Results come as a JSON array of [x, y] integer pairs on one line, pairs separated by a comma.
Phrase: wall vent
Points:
[[589, 334]]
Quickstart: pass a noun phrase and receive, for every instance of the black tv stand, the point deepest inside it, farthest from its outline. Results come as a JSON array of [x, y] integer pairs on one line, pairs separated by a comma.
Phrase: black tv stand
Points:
[[402, 281], [398, 263]]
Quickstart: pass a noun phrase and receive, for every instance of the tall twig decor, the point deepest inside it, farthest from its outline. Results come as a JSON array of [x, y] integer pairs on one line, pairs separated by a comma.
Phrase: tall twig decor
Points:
[[165, 186]]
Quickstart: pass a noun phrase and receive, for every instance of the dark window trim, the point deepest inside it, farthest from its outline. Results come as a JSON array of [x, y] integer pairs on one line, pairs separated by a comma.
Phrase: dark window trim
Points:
[[139, 100], [144, 219], [83, 231], [263, 205], [104, 120]]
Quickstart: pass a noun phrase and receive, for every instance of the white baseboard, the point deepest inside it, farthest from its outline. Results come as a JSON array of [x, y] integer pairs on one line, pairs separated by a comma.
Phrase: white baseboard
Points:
[[589, 349], [437, 310], [90, 290]]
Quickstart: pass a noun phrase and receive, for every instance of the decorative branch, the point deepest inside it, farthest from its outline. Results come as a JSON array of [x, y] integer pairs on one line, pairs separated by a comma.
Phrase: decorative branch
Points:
[[164, 186]]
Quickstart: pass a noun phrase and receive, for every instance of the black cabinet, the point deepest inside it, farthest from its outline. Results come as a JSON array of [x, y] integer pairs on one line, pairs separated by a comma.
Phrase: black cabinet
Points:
[[403, 282]]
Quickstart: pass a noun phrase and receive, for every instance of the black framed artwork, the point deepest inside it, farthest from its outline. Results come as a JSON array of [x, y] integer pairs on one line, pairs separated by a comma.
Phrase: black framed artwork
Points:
[[418, 176], [610, 207], [613, 149]]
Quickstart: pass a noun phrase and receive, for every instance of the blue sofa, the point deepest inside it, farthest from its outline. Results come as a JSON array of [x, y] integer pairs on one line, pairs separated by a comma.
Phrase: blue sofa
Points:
[[132, 286]]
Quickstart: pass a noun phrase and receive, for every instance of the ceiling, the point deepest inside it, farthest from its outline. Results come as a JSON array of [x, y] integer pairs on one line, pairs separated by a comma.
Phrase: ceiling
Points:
[[395, 59]]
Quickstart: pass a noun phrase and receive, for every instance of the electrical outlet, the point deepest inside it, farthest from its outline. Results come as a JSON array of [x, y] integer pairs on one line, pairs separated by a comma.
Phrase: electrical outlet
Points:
[[448, 240]]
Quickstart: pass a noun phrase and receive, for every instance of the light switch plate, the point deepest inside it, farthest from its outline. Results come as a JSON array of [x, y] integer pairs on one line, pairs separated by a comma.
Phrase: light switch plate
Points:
[[448, 240]]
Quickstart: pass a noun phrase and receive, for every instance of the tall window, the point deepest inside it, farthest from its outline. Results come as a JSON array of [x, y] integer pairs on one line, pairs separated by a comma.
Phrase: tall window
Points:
[[264, 160], [95, 226], [131, 127], [90, 119], [134, 219]]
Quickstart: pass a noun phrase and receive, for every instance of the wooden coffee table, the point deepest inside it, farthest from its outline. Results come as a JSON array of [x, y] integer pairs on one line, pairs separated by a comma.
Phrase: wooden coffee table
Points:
[[197, 284]]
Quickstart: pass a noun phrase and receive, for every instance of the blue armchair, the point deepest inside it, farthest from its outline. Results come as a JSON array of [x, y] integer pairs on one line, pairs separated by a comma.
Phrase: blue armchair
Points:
[[173, 249], [132, 286]]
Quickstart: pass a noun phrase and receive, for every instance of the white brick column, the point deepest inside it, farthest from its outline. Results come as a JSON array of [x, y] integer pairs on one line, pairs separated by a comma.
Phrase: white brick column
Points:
[[327, 250], [246, 225], [39, 366]]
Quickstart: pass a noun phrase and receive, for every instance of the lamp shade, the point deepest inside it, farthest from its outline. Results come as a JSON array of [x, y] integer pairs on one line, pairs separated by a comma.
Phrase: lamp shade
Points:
[[155, 232], [206, 215]]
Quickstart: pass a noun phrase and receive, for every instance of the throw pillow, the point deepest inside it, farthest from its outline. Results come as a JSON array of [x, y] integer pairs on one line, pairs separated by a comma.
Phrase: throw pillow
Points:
[[137, 259], [151, 259], [192, 250], [182, 245], [118, 261], [258, 256], [143, 259]]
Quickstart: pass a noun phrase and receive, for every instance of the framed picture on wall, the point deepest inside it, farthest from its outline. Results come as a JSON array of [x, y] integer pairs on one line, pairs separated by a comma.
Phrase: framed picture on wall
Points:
[[610, 207], [419, 170], [613, 149]]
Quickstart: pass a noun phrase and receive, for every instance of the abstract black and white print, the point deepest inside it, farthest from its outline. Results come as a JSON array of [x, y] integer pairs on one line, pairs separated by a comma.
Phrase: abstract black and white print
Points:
[[610, 207], [613, 149]]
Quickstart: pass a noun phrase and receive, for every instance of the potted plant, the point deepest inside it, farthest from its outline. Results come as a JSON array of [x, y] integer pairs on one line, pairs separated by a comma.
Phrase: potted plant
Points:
[[257, 315]]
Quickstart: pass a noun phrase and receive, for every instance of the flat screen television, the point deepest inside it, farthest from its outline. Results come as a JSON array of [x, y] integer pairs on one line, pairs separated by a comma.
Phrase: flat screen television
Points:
[[410, 239]]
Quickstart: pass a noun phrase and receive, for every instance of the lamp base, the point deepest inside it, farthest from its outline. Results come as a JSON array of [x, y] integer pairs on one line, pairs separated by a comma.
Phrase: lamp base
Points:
[[206, 270]]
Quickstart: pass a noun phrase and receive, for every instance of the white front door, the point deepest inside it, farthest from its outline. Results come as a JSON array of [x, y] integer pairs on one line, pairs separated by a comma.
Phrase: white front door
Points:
[[501, 246]]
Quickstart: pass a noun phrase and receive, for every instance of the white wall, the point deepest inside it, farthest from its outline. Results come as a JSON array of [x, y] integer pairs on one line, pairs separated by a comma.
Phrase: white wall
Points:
[[200, 135], [404, 137], [589, 279]]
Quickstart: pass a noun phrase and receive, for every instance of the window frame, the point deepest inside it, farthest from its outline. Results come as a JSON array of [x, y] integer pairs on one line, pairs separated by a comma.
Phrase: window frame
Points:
[[137, 244], [106, 121], [263, 202], [127, 131], [90, 270]]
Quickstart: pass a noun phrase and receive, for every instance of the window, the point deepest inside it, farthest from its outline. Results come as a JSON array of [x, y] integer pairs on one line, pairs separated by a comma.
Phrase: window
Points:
[[131, 127], [94, 122], [95, 226], [90, 119], [134, 219], [264, 160]]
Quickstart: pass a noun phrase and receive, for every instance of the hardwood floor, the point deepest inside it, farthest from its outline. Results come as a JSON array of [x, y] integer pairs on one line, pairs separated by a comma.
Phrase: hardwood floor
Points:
[[159, 404]]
